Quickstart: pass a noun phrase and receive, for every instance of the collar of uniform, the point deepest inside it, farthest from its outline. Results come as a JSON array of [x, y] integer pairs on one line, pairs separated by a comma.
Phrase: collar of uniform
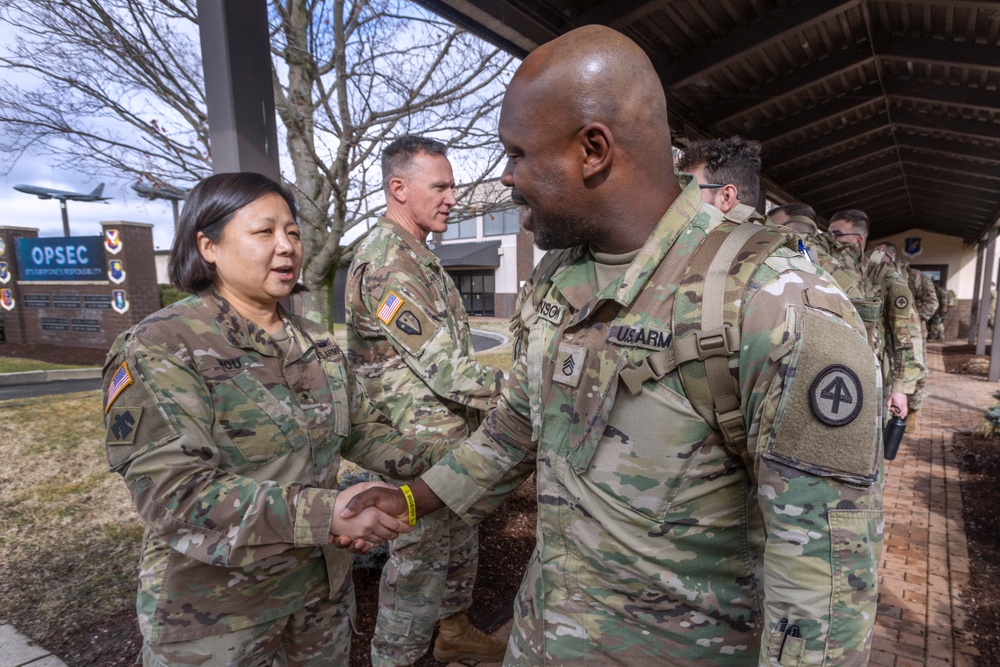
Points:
[[421, 251], [679, 217], [238, 330]]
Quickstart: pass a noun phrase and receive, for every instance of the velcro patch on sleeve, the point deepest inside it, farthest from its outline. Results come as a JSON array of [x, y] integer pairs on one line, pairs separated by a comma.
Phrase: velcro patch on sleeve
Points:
[[411, 328], [828, 418], [569, 364]]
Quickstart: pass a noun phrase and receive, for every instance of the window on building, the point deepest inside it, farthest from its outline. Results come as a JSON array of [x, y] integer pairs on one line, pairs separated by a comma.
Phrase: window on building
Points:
[[507, 221], [465, 229]]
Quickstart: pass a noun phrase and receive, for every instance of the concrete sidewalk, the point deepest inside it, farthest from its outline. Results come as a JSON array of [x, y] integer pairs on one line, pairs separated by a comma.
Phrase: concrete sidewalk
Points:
[[925, 562]]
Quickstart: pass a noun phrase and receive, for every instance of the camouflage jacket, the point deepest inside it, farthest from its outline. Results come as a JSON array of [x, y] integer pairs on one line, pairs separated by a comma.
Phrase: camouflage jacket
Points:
[[408, 338], [230, 450], [901, 341], [925, 295], [653, 539]]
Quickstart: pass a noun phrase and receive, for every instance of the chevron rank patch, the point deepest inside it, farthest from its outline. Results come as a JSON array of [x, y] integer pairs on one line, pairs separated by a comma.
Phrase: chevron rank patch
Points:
[[121, 379], [569, 364], [390, 305]]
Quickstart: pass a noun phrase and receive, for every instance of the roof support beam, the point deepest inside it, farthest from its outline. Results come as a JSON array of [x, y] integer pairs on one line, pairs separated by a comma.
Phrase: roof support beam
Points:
[[826, 142], [845, 104], [798, 82], [758, 35], [618, 13], [883, 148], [941, 52]]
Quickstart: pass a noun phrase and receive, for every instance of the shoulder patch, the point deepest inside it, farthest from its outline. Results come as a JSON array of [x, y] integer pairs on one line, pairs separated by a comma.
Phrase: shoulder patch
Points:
[[901, 302], [836, 395], [121, 379], [389, 306], [123, 423], [409, 323]]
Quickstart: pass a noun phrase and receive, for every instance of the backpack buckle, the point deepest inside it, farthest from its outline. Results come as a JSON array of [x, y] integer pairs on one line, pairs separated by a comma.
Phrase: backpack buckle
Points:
[[721, 342], [732, 427]]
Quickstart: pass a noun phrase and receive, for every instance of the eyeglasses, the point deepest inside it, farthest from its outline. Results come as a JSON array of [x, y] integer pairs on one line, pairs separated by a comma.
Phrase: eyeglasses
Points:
[[840, 235]]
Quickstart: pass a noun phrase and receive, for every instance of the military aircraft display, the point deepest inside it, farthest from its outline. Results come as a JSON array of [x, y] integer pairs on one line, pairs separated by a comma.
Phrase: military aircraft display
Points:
[[63, 196], [157, 190], [160, 191]]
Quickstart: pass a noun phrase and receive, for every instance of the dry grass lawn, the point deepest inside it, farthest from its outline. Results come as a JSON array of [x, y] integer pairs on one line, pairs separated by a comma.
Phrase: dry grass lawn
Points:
[[69, 536]]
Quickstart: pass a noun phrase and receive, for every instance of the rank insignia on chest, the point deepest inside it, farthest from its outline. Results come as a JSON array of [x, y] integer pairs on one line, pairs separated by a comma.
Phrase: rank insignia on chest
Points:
[[551, 312], [569, 364], [121, 379], [392, 303], [651, 339]]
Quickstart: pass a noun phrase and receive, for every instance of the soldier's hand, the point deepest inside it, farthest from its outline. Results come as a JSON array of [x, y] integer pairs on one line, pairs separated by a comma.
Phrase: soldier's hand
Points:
[[897, 404], [385, 498], [361, 529]]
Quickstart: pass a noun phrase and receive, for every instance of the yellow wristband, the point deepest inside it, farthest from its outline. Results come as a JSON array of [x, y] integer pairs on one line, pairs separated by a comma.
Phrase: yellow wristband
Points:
[[411, 505]]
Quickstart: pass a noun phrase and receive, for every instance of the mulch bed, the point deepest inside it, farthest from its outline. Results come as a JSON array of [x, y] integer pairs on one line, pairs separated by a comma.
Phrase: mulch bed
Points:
[[979, 467], [962, 359]]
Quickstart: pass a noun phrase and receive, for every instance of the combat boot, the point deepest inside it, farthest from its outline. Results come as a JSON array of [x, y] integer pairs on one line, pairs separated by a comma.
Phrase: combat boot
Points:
[[459, 640]]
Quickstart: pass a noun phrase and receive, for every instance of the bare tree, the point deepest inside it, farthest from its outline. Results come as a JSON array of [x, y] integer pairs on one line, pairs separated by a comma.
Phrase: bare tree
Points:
[[115, 86]]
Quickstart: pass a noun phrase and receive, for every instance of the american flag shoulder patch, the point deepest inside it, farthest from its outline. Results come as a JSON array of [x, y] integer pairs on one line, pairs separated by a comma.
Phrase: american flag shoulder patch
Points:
[[390, 305], [122, 378]]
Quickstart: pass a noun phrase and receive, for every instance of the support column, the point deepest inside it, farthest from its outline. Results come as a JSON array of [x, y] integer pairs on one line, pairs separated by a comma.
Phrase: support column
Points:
[[974, 309], [984, 298], [236, 57]]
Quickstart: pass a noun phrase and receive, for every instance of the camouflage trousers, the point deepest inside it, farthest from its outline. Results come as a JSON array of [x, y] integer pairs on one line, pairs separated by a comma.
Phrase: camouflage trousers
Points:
[[318, 635], [935, 328], [429, 576]]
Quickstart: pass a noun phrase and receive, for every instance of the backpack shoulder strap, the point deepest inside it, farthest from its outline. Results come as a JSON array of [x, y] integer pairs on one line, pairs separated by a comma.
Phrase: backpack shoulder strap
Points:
[[706, 326]]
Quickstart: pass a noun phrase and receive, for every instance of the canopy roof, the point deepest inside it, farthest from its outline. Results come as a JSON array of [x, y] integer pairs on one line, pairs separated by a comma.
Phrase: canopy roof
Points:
[[890, 106]]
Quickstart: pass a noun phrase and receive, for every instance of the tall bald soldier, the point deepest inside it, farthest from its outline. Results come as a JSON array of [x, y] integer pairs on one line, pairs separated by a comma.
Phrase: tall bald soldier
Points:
[[667, 534]]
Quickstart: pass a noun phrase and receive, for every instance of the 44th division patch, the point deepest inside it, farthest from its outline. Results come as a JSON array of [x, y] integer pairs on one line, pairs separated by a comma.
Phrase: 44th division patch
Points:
[[836, 395]]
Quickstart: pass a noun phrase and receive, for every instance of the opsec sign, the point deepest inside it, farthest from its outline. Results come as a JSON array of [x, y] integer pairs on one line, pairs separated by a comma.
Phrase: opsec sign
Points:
[[61, 258]]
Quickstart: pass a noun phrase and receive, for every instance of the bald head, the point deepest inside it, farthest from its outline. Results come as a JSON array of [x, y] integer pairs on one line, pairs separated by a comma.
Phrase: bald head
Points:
[[597, 75], [590, 102]]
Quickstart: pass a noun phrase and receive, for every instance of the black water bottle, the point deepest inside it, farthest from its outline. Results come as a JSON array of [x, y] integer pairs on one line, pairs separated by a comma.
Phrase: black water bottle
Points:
[[892, 436]]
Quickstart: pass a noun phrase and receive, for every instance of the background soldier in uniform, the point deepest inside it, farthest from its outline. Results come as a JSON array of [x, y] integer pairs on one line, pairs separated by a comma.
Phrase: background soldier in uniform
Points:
[[899, 343], [925, 302], [728, 174], [946, 300], [410, 346], [660, 538]]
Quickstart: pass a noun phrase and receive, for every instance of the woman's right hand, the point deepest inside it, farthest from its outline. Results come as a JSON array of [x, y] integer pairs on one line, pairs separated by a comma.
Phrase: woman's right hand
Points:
[[373, 525]]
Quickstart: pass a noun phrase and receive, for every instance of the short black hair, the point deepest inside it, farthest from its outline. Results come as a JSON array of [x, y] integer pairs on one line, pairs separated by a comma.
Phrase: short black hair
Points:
[[396, 157], [734, 160], [857, 218], [208, 208], [794, 208]]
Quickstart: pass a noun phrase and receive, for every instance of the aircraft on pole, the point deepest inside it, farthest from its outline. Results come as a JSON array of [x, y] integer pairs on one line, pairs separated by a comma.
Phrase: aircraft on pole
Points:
[[63, 196], [157, 190]]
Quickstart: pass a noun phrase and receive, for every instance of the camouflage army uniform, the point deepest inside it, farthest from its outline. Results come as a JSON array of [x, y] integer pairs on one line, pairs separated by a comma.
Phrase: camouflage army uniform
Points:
[[901, 344], [418, 365], [925, 301], [654, 541], [946, 299], [230, 448]]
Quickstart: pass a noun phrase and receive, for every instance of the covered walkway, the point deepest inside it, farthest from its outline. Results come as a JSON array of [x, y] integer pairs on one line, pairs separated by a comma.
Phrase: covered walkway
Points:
[[925, 564]]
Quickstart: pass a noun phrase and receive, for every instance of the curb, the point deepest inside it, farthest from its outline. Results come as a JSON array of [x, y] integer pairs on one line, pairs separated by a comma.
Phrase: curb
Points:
[[500, 338], [38, 377], [16, 650]]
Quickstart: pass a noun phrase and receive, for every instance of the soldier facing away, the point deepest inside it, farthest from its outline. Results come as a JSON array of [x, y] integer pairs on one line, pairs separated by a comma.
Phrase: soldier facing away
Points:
[[411, 348], [666, 533]]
